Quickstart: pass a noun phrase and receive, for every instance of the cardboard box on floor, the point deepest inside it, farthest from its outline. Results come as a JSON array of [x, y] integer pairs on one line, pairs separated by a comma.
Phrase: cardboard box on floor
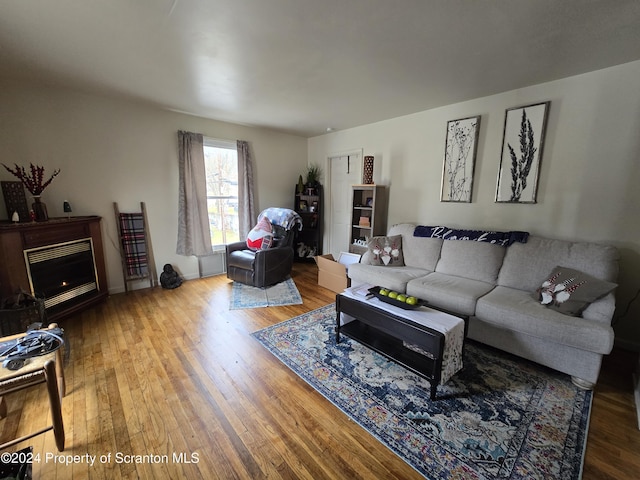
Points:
[[332, 273]]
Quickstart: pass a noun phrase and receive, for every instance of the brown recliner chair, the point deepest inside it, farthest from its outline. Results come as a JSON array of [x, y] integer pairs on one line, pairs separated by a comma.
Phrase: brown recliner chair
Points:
[[266, 267]]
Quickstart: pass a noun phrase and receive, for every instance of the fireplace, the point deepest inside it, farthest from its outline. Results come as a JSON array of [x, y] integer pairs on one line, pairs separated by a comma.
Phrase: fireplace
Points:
[[62, 272], [61, 260]]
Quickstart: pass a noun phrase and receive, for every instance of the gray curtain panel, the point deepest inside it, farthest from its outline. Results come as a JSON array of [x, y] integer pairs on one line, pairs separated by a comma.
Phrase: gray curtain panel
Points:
[[247, 212], [194, 237]]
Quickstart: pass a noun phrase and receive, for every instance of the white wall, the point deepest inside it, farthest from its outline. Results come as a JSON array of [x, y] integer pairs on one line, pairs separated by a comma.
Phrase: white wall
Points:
[[110, 150], [590, 172]]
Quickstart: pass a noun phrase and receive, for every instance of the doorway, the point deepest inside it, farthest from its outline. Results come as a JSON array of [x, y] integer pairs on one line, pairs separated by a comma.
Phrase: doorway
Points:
[[345, 169]]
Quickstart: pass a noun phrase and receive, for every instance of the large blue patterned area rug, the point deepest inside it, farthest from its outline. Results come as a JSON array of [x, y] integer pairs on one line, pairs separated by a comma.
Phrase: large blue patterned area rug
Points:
[[500, 417], [246, 296]]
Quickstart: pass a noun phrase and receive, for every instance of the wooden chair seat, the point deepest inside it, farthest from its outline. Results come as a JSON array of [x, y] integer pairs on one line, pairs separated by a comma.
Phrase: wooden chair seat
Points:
[[46, 369]]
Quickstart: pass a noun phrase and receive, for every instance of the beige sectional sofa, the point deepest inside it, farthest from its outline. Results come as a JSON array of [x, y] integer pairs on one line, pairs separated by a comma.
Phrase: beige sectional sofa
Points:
[[498, 287]]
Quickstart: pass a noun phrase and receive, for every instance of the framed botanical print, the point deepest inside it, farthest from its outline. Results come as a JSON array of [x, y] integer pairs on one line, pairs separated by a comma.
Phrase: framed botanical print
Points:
[[461, 145], [522, 145], [15, 200]]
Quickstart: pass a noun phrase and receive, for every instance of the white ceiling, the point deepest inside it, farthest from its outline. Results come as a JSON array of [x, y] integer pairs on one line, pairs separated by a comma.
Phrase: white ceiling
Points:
[[301, 66]]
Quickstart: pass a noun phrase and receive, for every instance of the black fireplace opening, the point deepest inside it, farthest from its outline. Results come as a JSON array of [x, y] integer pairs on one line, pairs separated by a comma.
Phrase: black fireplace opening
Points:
[[62, 272]]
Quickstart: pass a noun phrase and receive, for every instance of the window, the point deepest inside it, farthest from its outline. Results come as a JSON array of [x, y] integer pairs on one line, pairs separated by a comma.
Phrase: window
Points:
[[221, 165]]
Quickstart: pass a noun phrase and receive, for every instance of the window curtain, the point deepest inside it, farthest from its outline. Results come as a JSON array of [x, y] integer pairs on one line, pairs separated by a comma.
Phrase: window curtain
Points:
[[194, 236], [246, 208]]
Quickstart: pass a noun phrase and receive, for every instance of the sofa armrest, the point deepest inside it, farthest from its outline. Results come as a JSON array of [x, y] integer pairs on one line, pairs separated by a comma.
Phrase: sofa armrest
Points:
[[234, 247], [273, 258], [602, 310], [272, 265]]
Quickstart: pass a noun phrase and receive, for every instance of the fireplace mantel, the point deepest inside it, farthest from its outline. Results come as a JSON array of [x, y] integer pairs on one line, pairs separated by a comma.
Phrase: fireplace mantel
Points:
[[16, 238]]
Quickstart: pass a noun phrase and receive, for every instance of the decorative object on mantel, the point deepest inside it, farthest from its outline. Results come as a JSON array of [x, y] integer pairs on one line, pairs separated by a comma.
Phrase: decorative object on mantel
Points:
[[367, 171], [39, 209], [524, 130], [459, 159], [66, 208], [15, 217], [15, 200], [35, 183]]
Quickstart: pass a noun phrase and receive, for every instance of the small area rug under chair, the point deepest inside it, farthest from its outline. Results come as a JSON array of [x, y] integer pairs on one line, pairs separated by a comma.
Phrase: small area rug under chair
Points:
[[500, 417], [246, 296]]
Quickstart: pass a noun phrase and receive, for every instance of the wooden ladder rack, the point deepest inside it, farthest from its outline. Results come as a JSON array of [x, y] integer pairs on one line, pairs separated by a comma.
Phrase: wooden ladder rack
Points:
[[135, 246]]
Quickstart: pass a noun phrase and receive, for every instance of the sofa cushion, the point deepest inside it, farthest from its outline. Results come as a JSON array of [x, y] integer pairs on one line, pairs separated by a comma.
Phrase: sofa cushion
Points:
[[418, 252], [386, 251], [570, 291], [469, 259], [526, 264], [516, 310], [450, 292], [394, 278]]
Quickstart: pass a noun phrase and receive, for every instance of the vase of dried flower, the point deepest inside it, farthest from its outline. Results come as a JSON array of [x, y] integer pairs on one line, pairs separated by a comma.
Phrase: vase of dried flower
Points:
[[34, 181], [40, 209]]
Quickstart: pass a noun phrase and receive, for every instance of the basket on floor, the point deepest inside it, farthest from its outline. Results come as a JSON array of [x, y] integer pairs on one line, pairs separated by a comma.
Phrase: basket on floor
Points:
[[16, 320]]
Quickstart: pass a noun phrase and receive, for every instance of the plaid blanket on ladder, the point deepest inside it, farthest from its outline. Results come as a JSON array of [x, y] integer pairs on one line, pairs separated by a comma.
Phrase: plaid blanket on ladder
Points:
[[133, 244]]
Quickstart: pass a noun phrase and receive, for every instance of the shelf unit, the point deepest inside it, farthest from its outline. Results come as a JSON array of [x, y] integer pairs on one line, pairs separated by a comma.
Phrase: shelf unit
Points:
[[309, 205], [368, 214]]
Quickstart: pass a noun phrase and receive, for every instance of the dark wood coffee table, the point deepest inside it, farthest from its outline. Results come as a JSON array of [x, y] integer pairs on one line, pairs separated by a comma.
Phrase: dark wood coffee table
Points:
[[389, 331]]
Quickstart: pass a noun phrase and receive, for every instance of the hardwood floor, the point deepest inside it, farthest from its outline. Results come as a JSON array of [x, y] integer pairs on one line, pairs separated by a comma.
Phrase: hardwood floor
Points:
[[170, 384]]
